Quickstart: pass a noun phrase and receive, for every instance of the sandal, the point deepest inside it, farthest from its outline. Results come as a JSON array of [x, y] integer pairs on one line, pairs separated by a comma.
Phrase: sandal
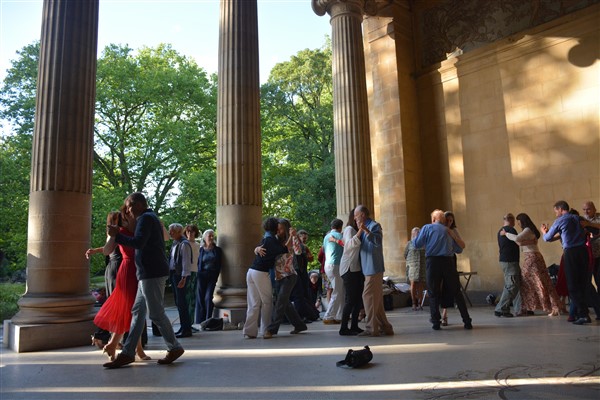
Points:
[[445, 321]]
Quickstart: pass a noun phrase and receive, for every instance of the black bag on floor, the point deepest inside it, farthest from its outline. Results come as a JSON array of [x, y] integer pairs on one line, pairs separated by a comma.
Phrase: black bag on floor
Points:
[[212, 324], [356, 358]]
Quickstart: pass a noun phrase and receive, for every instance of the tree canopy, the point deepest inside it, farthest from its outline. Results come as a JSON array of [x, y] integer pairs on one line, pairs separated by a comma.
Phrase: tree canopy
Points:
[[155, 132]]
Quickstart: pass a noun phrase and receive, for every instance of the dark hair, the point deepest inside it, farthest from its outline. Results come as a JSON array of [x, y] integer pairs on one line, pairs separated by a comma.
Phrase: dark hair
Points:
[[351, 221], [192, 228], [286, 223], [526, 222], [563, 205], [137, 198], [337, 224], [113, 218], [573, 211], [450, 214], [270, 225]]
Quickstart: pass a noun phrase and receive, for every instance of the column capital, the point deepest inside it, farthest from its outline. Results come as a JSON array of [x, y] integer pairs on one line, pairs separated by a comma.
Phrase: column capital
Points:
[[337, 7]]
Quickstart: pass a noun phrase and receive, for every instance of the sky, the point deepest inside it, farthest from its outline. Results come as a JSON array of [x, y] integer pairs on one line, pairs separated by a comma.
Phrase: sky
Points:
[[190, 26]]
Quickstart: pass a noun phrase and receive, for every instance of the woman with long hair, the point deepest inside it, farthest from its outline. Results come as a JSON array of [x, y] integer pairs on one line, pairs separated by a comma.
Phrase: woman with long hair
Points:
[[537, 290]]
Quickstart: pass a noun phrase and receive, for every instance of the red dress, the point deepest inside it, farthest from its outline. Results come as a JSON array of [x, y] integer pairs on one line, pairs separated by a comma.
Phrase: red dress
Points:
[[115, 314]]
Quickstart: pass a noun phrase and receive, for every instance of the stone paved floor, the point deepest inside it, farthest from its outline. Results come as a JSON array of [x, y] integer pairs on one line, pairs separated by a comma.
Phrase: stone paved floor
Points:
[[519, 358]]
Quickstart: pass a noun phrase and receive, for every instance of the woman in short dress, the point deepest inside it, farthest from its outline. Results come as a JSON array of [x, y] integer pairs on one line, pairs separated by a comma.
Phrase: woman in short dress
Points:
[[415, 270]]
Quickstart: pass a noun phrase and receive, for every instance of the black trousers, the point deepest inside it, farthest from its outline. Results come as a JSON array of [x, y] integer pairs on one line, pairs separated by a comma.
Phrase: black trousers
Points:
[[576, 261], [353, 284], [439, 270]]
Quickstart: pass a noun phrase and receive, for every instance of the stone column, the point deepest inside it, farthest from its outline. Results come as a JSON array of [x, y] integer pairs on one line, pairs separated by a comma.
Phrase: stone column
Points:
[[239, 194], [57, 295], [353, 169]]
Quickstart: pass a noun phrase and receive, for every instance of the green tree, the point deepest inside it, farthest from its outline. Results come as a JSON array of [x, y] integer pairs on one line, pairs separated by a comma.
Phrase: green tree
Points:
[[155, 132], [297, 144], [17, 107]]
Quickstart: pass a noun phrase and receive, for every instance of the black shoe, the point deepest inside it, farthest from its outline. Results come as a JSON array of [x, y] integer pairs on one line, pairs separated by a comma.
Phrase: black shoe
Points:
[[297, 331], [178, 332], [356, 330], [118, 362], [497, 314], [184, 334], [583, 320], [468, 325], [347, 332], [436, 327]]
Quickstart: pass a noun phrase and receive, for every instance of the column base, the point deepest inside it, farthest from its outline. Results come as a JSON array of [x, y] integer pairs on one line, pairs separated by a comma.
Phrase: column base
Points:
[[23, 338], [235, 315]]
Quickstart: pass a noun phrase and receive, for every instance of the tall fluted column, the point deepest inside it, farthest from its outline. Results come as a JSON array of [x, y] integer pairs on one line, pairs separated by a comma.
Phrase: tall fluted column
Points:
[[61, 171], [239, 195], [353, 168]]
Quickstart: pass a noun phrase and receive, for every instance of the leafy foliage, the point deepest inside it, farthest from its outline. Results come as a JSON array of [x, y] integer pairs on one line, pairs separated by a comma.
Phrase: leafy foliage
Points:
[[155, 132], [298, 159]]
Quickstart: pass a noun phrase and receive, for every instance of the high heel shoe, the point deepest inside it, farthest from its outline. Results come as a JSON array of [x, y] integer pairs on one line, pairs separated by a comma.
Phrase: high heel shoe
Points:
[[445, 321], [555, 313], [110, 352], [144, 357]]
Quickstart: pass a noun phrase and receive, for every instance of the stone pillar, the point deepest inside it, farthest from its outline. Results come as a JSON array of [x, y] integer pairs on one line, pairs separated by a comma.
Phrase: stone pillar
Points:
[[239, 194], [57, 300], [353, 169]]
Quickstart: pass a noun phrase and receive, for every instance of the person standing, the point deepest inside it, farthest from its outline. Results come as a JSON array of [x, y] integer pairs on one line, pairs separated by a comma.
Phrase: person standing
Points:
[[372, 265], [415, 269], [191, 232], [300, 295], [180, 265], [439, 252], [509, 262], [333, 247], [209, 268], [575, 256], [353, 278], [592, 228], [152, 270]]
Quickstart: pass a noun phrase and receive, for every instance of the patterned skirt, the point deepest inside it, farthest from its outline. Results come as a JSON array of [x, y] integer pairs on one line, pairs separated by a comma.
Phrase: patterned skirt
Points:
[[537, 290]]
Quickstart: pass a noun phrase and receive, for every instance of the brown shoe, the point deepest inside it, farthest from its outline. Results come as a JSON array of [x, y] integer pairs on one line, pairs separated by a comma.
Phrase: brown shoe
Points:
[[122, 359], [171, 356], [331, 321]]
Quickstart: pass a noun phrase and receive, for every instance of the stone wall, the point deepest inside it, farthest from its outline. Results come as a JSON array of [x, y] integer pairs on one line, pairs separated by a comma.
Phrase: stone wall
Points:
[[510, 126]]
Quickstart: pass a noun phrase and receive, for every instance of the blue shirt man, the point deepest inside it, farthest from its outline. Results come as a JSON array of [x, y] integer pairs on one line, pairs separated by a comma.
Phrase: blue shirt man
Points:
[[575, 256]]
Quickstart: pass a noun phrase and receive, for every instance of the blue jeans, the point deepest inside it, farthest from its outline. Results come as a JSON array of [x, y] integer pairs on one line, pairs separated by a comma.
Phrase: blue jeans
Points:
[[149, 298]]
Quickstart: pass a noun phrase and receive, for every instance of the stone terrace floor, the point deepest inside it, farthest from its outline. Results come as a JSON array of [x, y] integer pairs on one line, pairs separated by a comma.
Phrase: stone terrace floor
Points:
[[535, 357]]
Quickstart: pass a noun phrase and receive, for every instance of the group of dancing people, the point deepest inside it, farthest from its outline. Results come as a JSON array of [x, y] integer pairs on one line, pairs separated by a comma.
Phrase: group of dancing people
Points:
[[354, 267], [528, 287]]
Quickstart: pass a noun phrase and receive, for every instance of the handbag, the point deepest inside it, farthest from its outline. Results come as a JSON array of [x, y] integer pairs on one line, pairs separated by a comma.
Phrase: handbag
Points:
[[356, 358]]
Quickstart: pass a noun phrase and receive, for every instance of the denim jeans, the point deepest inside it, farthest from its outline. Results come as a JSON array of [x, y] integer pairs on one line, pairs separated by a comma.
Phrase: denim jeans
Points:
[[149, 298]]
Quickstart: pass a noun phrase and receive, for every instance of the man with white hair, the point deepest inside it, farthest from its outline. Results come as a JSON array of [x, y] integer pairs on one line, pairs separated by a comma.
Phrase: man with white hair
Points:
[[439, 252]]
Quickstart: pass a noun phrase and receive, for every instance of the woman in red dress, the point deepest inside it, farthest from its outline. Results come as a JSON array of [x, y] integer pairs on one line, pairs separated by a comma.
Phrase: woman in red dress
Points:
[[115, 314]]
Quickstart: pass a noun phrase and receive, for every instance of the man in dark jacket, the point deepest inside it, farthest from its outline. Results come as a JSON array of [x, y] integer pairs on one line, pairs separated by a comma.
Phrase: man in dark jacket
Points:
[[509, 261], [152, 270]]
